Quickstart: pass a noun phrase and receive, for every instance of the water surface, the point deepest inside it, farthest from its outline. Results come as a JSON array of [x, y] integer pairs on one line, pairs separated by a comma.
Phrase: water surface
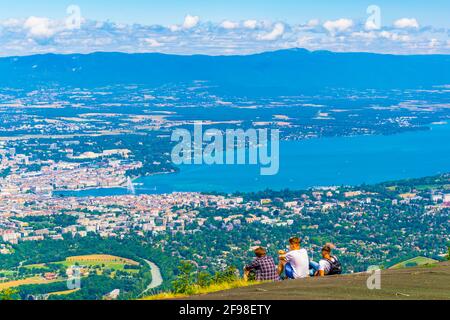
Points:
[[316, 162]]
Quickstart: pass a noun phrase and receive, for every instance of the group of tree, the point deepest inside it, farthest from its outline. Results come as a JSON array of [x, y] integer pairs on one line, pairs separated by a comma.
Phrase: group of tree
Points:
[[189, 278]]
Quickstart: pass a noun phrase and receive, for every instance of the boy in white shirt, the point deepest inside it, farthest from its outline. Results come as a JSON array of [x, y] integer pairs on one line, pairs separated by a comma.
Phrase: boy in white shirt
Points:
[[295, 263]]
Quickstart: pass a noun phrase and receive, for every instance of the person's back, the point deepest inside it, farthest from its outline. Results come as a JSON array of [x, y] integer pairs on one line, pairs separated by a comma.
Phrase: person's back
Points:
[[264, 266], [267, 270], [325, 265], [299, 261], [328, 265]]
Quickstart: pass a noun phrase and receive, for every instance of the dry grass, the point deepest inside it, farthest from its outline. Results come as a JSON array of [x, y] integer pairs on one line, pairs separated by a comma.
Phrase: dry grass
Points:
[[17, 283], [203, 290], [100, 258]]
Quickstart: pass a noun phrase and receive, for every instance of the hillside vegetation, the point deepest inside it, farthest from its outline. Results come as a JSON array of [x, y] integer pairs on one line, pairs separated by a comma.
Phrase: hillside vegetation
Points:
[[415, 262]]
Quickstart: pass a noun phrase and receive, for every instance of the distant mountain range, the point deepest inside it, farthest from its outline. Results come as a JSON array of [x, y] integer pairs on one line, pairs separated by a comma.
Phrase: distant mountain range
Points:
[[292, 71]]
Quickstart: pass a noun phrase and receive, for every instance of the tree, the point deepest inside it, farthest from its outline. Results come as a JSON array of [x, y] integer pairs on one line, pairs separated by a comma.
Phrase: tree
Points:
[[185, 281], [204, 279], [230, 274], [9, 294]]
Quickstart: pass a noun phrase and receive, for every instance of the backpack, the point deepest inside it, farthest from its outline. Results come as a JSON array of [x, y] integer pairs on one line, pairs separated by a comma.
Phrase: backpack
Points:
[[335, 266]]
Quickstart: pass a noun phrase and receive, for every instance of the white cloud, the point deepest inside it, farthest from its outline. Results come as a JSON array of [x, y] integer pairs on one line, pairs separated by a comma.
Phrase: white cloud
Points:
[[250, 24], [11, 23], [276, 33], [304, 41], [190, 21], [39, 27], [40, 35], [313, 23], [152, 43], [364, 35], [406, 23], [227, 24], [394, 36], [174, 28], [434, 43], [336, 26], [386, 34]]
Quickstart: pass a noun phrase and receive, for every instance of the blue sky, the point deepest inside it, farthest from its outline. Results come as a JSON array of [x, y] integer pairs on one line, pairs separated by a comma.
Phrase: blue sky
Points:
[[436, 12], [224, 26]]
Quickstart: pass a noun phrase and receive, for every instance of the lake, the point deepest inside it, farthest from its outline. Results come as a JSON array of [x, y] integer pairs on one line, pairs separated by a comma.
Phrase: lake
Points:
[[314, 162]]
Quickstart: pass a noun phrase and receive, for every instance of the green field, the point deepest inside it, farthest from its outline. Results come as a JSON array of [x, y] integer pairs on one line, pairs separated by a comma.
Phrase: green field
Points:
[[36, 266], [414, 262], [100, 260], [7, 273], [90, 261]]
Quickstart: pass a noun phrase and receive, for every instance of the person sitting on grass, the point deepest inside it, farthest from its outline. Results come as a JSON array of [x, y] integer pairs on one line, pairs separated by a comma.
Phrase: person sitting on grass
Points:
[[263, 266], [328, 265], [294, 263]]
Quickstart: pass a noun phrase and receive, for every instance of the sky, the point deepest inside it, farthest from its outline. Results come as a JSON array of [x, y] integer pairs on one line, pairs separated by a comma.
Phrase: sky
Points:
[[223, 27]]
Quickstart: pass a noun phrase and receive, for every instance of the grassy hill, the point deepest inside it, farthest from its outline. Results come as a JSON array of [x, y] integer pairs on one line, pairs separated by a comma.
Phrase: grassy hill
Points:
[[415, 262], [396, 284]]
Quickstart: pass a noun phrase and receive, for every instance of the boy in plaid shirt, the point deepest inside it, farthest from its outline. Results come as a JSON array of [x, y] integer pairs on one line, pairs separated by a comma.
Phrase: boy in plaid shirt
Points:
[[263, 266]]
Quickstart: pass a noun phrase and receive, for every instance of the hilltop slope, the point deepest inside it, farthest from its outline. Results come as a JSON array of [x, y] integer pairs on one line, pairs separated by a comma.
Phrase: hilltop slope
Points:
[[401, 284]]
